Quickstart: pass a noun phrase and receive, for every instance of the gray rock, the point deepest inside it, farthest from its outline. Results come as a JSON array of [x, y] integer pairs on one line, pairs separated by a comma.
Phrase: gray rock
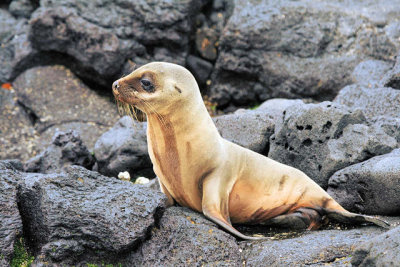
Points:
[[383, 250], [250, 129], [66, 103], [100, 36], [124, 148], [276, 106], [10, 219], [66, 149], [23, 8], [370, 187], [390, 125], [17, 135], [299, 49], [369, 72], [16, 52], [358, 143], [392, 77], [376, 101], [187, 238], [301, 137], [315, 248], [80, 217], [63, 30]]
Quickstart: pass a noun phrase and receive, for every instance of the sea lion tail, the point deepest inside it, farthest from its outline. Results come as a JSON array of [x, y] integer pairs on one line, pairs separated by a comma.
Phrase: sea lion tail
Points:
[[350, 217]]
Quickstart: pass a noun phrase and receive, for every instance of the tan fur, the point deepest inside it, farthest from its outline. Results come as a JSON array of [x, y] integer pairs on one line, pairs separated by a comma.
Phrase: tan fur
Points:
[[199, 169]]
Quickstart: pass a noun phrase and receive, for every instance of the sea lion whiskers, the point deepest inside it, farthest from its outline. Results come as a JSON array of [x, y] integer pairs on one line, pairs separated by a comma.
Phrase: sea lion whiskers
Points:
[[160, 117], [124, 108]]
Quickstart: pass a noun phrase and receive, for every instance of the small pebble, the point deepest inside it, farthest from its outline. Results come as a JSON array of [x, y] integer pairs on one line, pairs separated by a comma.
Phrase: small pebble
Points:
[[142, 180], [124, 176]]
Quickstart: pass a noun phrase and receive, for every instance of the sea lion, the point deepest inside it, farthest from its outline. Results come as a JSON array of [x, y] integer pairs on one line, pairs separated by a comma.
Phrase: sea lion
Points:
[[199, 169]]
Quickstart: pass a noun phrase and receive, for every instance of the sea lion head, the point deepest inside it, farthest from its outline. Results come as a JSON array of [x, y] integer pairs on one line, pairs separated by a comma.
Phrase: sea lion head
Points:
[[156, 87]]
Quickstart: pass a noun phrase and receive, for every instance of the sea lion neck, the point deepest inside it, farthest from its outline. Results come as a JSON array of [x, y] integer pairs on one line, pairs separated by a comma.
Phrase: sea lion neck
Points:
[[191, 116]]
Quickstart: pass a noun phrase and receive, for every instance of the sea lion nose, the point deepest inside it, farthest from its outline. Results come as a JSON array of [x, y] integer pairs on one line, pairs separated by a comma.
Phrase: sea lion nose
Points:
[[115, 87]]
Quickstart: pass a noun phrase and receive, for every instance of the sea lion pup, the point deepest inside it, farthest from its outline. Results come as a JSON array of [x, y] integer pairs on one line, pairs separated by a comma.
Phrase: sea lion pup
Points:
[[199, 169]]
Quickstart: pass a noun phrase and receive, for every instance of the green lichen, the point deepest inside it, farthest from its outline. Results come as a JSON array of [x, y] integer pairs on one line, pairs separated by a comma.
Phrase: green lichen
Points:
[[21, 257]]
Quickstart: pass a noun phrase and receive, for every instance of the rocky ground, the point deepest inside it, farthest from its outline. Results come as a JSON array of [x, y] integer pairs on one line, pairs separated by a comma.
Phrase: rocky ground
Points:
[[315, 85]]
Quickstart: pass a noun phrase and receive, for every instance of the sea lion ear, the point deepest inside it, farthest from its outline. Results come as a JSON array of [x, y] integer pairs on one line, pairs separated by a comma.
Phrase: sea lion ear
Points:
[[177, 88]]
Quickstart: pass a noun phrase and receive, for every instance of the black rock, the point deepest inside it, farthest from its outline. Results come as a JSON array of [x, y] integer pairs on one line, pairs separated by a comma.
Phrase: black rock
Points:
[[200, 68], [67, 149], [80, 217], [10, 219], [187, 238], [299, 49], [124, 148]]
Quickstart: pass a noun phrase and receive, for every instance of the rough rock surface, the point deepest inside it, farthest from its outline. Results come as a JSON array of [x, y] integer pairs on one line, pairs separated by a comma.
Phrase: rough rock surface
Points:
[[124, 148], [383, 250], [10, 219], [66, 149], [65, 104], [187, 238], [17, 136], [319, 139], [250, 129], [369, 73], [23, 8], [374, 102], [299, 49], [16, 52], [370, 187], [82, 216], [315, 248], [392, 77], [100, 41]]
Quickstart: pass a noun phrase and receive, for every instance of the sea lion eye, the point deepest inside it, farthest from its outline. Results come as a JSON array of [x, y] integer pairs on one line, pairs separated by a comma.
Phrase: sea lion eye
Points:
[[147, 85]]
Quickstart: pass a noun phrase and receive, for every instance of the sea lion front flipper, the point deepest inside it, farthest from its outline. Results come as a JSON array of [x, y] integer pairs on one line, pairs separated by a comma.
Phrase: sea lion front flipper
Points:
[[170, 200], [215, 208]]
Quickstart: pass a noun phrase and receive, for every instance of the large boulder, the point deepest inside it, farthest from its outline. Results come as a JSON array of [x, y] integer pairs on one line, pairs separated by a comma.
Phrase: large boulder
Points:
[[320, 139], [56, 99], [383, 250], [82, 217], [16, 52], [124, 148], [250, 129], [101, 36], [369, 73], [23, 8], [314, 248], [370, 187], [66, 149], [392, 77], [187, 238], [17, 135], [374, 102], [299, 49], [10, 219]]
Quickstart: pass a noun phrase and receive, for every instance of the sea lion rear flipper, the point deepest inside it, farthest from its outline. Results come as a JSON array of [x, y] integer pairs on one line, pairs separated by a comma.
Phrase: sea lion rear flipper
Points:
[[349, 217], [215, 208]]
